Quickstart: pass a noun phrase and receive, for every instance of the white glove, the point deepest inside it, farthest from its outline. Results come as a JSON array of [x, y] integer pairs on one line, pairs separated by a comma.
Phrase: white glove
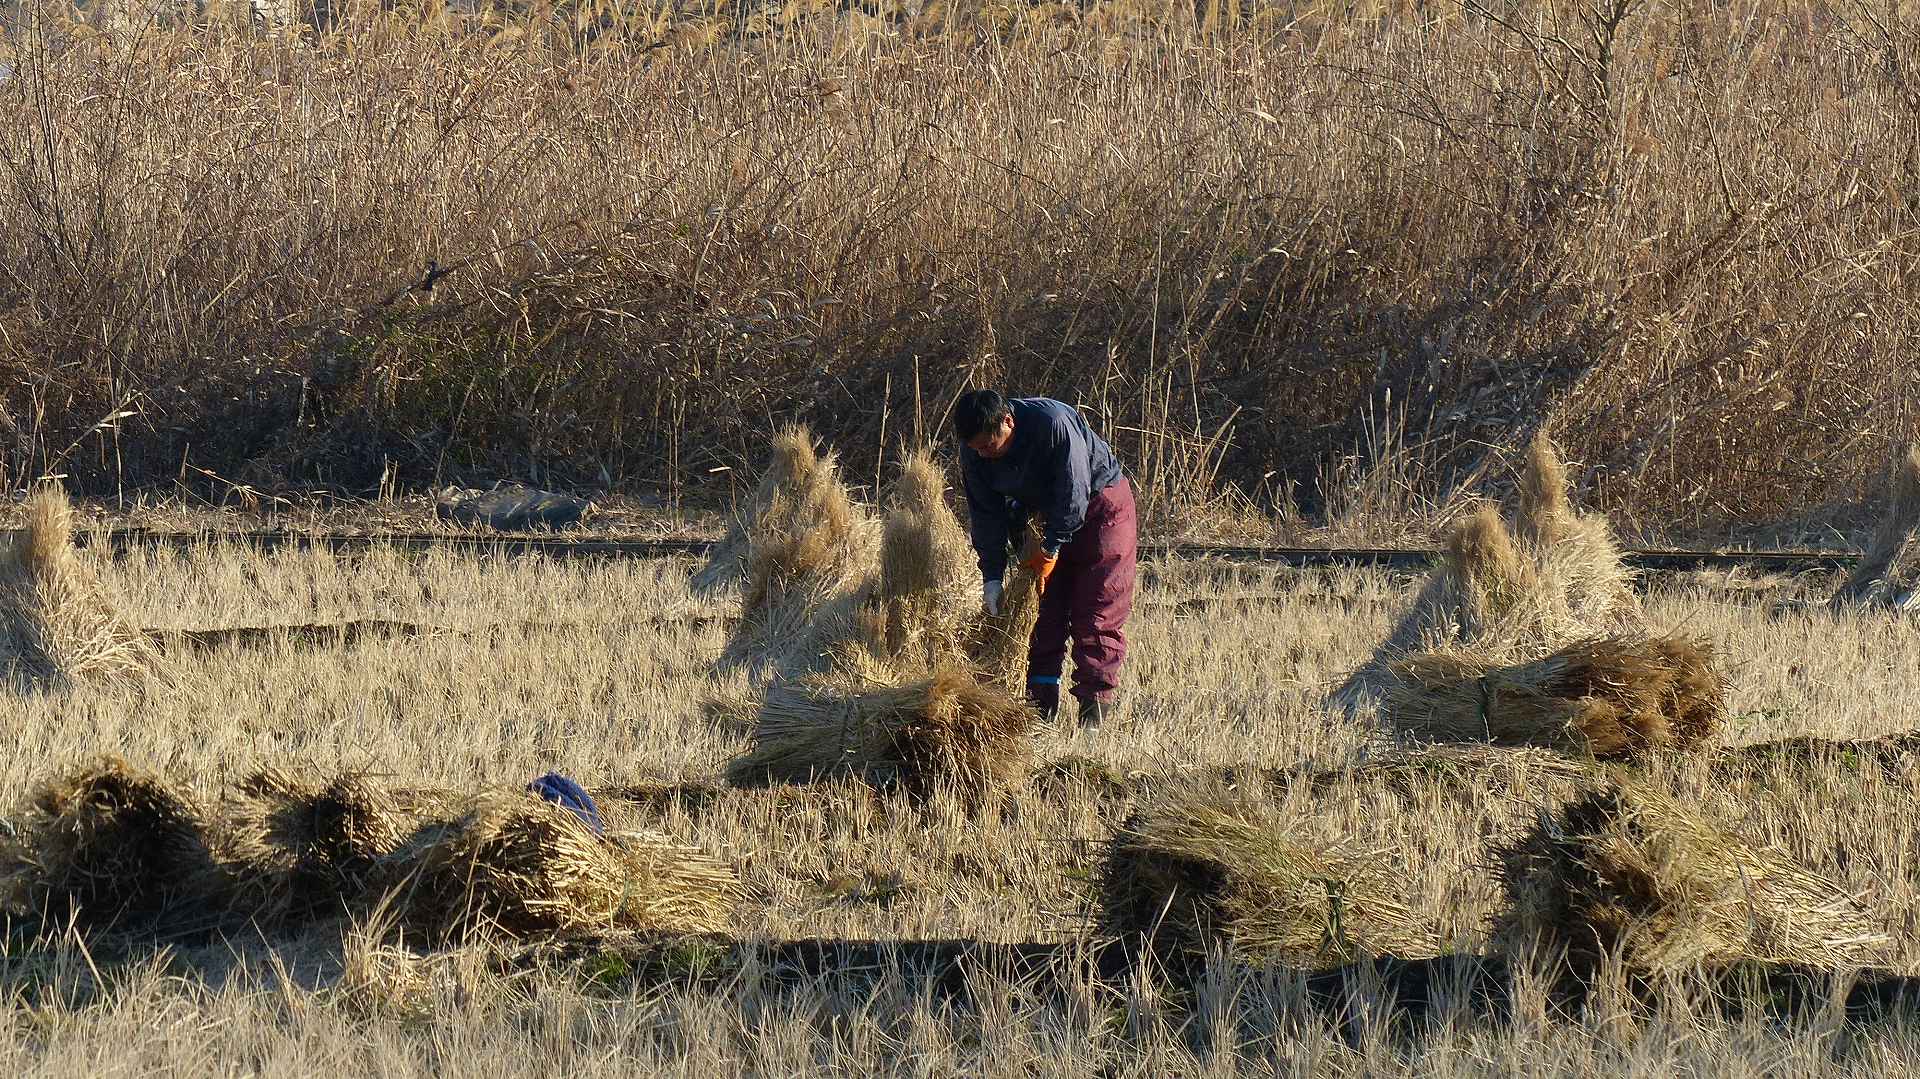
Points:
[[990, 593]]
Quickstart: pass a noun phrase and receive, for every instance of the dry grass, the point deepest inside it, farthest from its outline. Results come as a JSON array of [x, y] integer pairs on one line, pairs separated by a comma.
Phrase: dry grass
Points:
[[638, 292], [1606, 697], [1878, 579], [1228, 668], [1198, 870], [57, 624], [1634, 872]]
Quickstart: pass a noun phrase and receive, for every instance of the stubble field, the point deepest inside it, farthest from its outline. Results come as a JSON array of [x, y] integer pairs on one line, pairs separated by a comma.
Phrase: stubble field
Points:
[[600, 670]]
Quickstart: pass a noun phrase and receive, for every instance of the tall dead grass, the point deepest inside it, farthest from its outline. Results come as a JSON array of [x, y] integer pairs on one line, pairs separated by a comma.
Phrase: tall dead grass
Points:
[[639, 289]]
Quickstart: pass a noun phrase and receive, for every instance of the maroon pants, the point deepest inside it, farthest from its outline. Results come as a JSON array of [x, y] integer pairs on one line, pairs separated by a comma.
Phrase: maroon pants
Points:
[[1088, 599]]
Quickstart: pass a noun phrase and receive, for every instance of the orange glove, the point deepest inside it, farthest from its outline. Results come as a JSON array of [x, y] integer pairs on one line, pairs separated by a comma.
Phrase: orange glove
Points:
[[1039, 563]]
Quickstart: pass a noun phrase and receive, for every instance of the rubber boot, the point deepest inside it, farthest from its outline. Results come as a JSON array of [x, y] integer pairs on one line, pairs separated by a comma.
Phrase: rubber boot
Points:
[[1092, 714], [1045, 698]]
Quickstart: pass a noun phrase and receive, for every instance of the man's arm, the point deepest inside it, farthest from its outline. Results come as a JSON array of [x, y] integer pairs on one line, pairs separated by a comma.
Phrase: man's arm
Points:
[[989, 520], [1072, 467]]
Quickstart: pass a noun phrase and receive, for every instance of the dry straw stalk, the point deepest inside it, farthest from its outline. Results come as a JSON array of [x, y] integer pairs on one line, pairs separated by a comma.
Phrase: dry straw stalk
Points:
[[1629, 870], [1199, 869], [1875, 579], [1609, 697]]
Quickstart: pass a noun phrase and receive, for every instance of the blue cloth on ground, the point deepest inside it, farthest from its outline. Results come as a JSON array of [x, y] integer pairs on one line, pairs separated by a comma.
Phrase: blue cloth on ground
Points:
[[567, 794]]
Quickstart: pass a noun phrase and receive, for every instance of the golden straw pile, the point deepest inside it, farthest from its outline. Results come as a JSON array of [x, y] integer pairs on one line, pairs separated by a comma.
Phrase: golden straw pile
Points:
[[1628, 870], [1533, 636], [900, 677], [1199, 869], [108, 845], [58, 625], [1883, 577], [804, 555]]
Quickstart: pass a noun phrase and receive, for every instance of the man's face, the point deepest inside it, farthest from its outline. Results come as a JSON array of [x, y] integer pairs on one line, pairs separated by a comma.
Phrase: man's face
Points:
[[994, 441]]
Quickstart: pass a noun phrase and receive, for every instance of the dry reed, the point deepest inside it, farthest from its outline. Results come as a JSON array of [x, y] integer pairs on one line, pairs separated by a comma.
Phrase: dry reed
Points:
[[113, 847], [1630, 871], [1876, 580], [1196, 869], [1609, 697], [57, 623], [949, 729], [516, 866]]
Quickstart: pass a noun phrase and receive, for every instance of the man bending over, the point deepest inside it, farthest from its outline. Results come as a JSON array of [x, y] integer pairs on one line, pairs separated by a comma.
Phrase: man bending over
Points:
[[1035, 455]]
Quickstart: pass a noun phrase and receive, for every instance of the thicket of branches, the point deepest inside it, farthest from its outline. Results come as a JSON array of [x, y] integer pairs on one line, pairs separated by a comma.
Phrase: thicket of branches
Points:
[[1273, 250]]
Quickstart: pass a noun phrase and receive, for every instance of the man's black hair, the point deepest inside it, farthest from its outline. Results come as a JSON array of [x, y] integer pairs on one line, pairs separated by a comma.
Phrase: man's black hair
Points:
[[977, 411]]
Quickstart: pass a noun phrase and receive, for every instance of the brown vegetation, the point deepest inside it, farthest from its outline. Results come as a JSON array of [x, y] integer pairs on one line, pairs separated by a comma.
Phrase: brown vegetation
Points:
[[1311, 227]]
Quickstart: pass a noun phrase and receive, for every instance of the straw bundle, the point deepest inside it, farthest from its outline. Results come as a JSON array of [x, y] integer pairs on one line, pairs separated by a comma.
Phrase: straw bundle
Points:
[[1574, 553], [1512, 596], [1629, 870], [1874, 580], [1483, 594], [57, 624], [302, 847], [113, 847], [516, 866], [793, 467], [1611, 697], [1193, 869], [998, 643], [949, 728], [807, 556], [926, 589]]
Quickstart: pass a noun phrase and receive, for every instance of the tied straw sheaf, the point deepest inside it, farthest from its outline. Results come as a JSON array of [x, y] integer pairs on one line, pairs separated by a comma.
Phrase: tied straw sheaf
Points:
[[877, 659], [1533, 636]]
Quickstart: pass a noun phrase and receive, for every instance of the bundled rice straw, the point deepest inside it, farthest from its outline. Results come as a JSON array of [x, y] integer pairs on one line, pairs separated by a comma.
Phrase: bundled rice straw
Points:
[[1574, 553], [807, 555], [1630, 870], [1875, 580], [1512, 596], [998, 643], [949, 728], [926, 593], [1186, 872], [1611, 697], [113, 847], [302, 847], [517, 866], [1483, 593], [1194, 869], [57, 625]]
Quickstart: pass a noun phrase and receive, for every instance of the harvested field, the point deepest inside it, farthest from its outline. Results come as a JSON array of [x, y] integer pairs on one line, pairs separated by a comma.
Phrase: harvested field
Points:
[[606, 680]]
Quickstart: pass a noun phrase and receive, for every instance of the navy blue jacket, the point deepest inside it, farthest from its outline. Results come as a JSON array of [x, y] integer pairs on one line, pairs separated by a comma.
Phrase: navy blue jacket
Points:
[[1054, 467]]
